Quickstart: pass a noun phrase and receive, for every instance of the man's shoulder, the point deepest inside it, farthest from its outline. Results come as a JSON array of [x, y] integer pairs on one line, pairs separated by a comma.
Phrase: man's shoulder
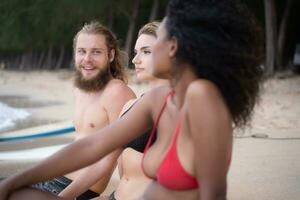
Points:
[[116, 83], [116, 87]]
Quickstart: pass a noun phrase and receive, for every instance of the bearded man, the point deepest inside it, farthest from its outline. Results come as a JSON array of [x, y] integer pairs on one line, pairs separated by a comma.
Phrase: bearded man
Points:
[[100, 94]]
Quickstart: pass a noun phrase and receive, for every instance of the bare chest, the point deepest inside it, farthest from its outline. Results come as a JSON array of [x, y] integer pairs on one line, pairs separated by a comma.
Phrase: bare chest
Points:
[[90, 115]]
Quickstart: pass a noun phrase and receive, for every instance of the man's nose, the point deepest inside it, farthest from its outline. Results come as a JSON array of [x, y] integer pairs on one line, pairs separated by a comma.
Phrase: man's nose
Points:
[[87, 57]]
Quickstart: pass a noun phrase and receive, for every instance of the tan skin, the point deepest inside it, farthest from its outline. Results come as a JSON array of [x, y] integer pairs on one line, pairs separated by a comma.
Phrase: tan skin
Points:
[[129, 163], [95, 110], [204, 143]]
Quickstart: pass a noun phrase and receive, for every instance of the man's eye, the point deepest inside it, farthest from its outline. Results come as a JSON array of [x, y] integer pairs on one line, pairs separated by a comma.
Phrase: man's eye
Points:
[[97, 52], [80, 51]]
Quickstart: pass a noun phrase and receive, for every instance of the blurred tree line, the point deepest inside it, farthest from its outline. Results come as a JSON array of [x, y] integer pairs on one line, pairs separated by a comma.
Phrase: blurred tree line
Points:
[[38, 34]]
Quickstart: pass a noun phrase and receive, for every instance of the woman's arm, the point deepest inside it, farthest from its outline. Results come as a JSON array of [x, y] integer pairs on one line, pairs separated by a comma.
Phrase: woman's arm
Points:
[[87, 150], [211, 131]]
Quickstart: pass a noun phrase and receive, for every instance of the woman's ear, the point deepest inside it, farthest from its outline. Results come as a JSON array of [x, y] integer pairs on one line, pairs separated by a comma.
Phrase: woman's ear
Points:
[[112, 55], [173, 45]]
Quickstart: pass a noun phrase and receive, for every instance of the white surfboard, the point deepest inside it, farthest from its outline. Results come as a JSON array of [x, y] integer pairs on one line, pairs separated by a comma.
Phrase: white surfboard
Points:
[[30, 154], [32, 137]]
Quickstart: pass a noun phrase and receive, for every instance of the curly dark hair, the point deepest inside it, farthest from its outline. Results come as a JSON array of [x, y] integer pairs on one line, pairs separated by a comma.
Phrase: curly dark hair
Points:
[[224, 44]]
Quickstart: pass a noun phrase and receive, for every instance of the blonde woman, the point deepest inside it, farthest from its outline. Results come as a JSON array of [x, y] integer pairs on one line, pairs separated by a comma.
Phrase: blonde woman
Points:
[[133, 182]]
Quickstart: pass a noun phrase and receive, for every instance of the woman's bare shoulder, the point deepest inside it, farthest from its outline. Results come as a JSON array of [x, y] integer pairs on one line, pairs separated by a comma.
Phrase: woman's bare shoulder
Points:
[[206, 103], [202, 88], [205, 95]]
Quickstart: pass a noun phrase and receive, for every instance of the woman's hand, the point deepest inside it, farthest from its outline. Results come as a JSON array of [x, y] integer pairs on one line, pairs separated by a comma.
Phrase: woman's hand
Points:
[[4, 189]]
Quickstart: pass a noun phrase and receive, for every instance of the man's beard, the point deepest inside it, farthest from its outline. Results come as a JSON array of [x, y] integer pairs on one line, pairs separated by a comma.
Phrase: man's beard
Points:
[[94, 84]]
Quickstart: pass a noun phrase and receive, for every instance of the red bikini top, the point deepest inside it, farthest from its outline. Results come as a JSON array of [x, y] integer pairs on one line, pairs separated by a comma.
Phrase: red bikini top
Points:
[[170, 172]]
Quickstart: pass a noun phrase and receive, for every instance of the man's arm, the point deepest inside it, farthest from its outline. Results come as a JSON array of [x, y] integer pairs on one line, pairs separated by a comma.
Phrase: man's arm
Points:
[[116, 95]]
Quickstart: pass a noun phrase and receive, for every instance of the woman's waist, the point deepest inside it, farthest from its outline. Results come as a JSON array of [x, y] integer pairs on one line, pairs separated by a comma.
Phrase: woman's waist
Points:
[[127, 188], [132, 181], [156, 191], [98, 187]]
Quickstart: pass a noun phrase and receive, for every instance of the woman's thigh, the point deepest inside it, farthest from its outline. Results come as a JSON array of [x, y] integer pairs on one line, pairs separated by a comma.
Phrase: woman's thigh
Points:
[[32, 194]]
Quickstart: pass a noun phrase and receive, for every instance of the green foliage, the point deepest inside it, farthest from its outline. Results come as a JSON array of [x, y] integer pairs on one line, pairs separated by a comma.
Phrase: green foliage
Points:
[[38, 24], [39, 28]]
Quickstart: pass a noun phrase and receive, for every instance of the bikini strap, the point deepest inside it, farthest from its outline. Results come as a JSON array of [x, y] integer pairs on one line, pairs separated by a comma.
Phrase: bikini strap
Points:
[[179, 124], [170, 93]]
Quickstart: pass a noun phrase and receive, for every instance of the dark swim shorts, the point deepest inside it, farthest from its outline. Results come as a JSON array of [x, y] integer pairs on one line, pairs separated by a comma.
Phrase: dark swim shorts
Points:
[[56, 185]]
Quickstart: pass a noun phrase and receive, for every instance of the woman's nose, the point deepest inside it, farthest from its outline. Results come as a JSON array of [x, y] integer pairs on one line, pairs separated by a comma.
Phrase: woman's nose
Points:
[[136, 59]]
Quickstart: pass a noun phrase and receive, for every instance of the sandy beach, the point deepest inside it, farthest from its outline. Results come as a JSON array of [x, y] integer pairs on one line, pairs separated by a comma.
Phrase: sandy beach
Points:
[[48, 95], [262, 168]]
